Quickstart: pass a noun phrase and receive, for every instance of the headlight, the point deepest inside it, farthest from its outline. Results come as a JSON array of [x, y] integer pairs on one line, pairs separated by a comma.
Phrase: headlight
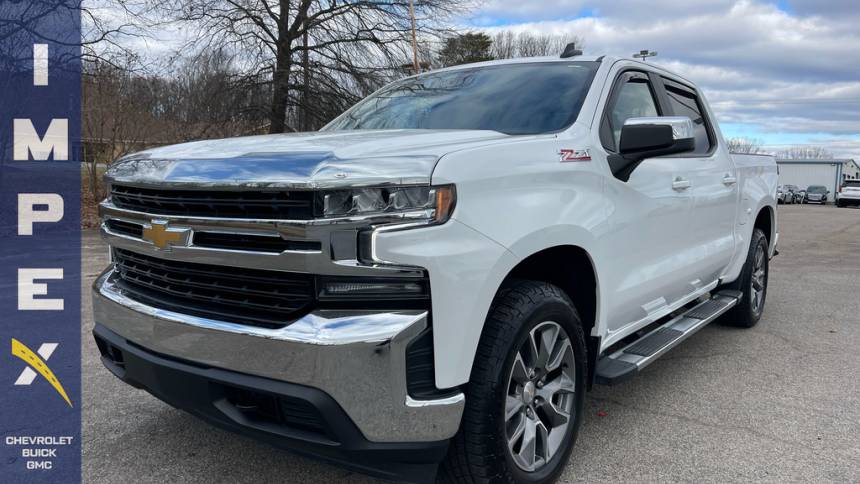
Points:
[[433, 204]]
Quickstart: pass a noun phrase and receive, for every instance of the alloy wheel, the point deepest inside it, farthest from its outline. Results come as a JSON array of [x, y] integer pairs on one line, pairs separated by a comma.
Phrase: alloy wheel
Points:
[[758, 279], [540, 396]]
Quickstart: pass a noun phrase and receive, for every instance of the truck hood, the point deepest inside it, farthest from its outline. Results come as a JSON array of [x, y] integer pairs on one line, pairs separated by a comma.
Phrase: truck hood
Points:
[[300, 160]]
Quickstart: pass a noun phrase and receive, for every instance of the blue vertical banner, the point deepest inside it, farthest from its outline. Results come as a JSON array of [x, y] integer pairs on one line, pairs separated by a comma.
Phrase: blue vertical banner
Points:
[[40, 241]]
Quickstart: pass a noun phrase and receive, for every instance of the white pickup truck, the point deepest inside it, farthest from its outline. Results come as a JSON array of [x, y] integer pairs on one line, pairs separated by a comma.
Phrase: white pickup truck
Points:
[[441, 273]]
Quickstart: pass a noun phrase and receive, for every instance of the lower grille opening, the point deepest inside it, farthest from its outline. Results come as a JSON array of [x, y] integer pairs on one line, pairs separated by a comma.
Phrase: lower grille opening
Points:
[[420, 374], [111, 352], [275, 409], [257, 297], [421, 371], [249, 296]]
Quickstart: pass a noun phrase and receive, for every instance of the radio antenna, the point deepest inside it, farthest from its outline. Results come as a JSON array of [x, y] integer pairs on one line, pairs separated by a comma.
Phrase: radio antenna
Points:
[[645, 54]]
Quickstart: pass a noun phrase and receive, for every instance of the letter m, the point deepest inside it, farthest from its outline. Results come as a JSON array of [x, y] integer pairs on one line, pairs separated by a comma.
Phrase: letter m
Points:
[[27, 140]]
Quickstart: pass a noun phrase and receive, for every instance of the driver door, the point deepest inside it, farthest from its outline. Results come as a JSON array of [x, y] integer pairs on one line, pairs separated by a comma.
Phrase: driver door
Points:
[[649, 220]]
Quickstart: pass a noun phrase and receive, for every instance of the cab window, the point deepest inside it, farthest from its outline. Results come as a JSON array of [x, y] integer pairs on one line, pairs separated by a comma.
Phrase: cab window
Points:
[[684, 102], [633, 98]]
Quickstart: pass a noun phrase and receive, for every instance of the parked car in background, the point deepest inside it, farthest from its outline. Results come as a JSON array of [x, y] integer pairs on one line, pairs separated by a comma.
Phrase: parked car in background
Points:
[[780, 194], [786, 193], [817, 194], [796, 195], [801, 196], [848, 194]]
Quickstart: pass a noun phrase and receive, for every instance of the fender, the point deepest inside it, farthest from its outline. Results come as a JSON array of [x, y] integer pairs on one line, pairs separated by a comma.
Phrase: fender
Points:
[[566, 235]]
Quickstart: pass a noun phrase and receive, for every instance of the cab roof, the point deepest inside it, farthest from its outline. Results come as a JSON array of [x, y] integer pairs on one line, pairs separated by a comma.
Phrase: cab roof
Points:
[[609, 60]]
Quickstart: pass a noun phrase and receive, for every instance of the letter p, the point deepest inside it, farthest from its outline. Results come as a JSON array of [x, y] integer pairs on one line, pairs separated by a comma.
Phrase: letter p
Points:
[[28, 215]]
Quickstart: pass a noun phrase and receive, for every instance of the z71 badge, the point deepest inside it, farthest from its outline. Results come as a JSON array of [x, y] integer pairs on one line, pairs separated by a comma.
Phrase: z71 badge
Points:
[[574, 155]]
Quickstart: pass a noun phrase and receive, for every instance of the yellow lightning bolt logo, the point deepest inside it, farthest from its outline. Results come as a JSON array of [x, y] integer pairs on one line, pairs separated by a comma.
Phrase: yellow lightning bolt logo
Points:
[[28, 356]]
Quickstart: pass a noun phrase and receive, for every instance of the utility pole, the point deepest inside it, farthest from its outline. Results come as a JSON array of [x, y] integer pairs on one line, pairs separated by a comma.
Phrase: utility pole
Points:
[[415, 66], [306, 88]]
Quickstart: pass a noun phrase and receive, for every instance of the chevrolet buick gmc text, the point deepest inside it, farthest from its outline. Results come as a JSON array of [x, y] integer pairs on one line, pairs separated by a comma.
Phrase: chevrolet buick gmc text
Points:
[[441, 273]]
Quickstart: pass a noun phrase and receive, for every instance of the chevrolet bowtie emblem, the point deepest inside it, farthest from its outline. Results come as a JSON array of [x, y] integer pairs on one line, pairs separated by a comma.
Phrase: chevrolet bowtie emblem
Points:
[[163, 236]]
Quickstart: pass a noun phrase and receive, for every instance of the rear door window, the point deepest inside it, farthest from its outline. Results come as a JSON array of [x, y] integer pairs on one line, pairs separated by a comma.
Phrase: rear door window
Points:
[[685, 102]]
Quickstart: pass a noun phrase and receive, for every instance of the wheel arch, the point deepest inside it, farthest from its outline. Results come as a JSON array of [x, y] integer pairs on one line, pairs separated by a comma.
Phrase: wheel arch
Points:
[[765, 220], [572, 269]]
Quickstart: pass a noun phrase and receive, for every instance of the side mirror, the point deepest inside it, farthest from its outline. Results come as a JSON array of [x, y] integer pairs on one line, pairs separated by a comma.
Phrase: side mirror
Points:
[[643, 138]]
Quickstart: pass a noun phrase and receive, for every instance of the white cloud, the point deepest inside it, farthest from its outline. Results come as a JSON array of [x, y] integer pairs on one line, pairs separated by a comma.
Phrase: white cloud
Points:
[[790, 70], [786, 70]]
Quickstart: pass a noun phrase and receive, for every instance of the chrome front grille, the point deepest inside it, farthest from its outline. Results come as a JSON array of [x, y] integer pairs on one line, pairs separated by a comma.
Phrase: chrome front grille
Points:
[[259, 205], [257, 263], [255, 243], [122, 227], [248, 296], [271, 243]]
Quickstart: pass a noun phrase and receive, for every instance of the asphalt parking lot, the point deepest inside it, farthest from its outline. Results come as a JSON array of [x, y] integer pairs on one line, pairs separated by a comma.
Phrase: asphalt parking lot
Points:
[[779, 402]]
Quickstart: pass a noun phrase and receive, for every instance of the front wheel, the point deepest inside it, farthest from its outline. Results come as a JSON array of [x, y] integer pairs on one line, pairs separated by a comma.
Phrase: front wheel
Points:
[[526, 394]]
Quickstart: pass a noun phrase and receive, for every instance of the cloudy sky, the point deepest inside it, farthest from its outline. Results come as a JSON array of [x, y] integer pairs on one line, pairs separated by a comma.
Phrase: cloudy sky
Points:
[[785, 72]]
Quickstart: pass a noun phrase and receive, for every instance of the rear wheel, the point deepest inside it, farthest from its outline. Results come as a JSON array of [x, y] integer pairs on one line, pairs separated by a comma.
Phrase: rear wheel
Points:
[[525, 397], [752, 283]]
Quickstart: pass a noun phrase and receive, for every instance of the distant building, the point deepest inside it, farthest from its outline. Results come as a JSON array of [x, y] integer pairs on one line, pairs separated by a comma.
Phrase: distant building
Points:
[[829, 173], [851, 170]]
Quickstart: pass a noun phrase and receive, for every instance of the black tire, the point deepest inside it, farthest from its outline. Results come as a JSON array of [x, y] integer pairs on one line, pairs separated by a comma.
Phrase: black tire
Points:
[[748, 312], [479, 452]]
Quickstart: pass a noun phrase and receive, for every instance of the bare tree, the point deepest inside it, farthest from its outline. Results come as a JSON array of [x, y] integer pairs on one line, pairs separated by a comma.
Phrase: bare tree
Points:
[[25, 23], [335, 46], [508, 45], [112, 121], [804, 153], [746, 146], [124, 109]]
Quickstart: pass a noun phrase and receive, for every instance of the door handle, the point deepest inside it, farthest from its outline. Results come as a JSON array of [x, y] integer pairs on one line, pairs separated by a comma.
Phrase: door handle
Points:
[[680, 183], [729, 179]]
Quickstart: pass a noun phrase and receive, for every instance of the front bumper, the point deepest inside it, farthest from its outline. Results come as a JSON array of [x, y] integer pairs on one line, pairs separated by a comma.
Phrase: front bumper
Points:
[[299, 418], [356, 358], [849, 199]]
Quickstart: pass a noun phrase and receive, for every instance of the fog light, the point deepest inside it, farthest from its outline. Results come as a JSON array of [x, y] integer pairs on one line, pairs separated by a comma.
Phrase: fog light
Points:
[[333, 289], [366, 288]]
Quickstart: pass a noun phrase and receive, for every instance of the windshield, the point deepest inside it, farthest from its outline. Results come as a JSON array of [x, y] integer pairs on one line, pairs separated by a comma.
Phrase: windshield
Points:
[[816, 189], [513, 98]]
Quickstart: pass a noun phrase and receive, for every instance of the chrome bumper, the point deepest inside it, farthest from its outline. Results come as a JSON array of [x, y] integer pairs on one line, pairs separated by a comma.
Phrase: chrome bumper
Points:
[[356, 357]]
